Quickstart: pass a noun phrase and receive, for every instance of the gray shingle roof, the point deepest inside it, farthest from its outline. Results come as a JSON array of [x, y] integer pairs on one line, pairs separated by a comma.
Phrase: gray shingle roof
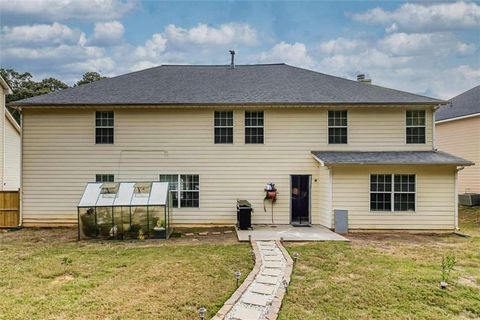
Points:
[[464, 104], [390, 157], [219, 84]]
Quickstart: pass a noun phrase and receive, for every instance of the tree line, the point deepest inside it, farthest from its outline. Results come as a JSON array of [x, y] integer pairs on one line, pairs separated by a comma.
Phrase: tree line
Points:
[[23, 86]]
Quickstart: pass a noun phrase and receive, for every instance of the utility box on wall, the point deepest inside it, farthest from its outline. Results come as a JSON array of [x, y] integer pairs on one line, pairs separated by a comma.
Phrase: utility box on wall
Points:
[[341, 221]]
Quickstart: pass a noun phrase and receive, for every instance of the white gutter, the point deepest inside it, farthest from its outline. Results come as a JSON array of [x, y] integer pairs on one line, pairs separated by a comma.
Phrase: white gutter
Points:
[[459, 118], [20, 193], [456, 196], [319, 160]]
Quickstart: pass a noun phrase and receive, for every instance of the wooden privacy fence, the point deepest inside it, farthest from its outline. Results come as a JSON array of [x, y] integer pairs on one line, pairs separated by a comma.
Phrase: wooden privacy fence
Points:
[[9, 208]]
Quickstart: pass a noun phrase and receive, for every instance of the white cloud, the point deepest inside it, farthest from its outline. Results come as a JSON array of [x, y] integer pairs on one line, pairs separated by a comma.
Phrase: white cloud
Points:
[[40, 34], [295, 54], [439, 43], [61, 10], [153, 48], [341, 45], [425, 18], [59, 54], [107, 33], [202, 34]]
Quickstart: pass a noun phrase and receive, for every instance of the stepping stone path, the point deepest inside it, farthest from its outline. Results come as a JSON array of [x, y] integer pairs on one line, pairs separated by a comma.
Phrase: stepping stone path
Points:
[[260, 296]]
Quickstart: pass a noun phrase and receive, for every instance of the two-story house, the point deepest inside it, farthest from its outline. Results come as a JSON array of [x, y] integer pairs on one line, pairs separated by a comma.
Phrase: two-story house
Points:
[[9, 144], [219, 133]]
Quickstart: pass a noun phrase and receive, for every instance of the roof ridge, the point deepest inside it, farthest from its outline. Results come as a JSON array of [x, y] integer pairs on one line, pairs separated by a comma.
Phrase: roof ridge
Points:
[[223, 65], [461, 94]]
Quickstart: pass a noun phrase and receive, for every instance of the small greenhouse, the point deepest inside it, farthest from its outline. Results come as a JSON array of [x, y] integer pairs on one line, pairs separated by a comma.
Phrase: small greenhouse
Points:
[[125, 210]]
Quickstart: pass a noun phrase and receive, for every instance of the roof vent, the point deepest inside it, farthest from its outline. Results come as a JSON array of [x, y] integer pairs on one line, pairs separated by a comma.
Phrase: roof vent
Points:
[[361, 78], [232, 63]]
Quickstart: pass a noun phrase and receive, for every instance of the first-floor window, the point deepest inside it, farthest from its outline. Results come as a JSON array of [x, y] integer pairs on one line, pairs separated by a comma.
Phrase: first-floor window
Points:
[[185, 189], [102, 177], [401, 194]]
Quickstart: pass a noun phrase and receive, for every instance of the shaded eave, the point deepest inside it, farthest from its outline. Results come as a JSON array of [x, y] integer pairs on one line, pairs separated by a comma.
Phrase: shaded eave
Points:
[[5, 85], [345, 158], [203, 104], [14, 123]]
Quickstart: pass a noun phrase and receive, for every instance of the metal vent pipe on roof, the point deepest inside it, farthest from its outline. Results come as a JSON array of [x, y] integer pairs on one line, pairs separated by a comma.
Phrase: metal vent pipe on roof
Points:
[[362, 78], [232, 63]]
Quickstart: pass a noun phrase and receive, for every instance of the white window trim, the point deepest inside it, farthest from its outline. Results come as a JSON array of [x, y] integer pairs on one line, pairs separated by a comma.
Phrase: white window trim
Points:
[[416, 126], [232, 126], [333, 127], [392, 193], [253, 127], [95, 128], [179, 188]]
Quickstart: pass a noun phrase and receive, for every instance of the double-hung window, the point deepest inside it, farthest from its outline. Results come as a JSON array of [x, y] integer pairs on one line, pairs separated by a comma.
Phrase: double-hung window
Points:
[[104, 177], [392, 192], [185, 189], [223, 127], [415, 126], [337, 127], [104, 127], [254, 129]]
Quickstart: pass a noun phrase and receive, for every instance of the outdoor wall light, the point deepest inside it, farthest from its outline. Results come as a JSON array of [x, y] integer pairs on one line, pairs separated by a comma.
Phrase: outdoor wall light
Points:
[[238, 274], [285, 285], [202, 312], [295, 256]]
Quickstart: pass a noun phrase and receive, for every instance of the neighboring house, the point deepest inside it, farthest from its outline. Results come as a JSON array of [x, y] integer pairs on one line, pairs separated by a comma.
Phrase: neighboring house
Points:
[[9, 144], [221, 133], [458, 132]]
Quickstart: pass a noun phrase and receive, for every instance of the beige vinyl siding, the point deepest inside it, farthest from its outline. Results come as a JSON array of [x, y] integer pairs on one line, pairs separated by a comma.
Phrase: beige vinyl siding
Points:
[[462, 138], [60, 156], [325, 198], [11, 179], [435, 197]]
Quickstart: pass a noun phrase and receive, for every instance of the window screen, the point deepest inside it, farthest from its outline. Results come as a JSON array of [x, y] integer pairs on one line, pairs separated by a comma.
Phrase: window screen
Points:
[[415, 129], [104, 127], [223, 127], [402, 194], [104, 177], [337, 127], [254, 129]]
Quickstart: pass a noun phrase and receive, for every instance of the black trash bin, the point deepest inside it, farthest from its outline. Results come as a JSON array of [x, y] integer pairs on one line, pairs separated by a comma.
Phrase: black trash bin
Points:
[[244, 214]]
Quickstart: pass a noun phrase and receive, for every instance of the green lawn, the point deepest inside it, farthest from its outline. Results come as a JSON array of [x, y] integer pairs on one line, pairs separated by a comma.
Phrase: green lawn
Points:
[[46, 274], [387, 276]]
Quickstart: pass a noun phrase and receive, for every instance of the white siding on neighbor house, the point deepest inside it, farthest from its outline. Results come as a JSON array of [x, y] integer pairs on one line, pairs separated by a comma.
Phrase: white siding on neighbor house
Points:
[[462, 138], [60, 156], [2, 133], [435, 197], [11, 180]]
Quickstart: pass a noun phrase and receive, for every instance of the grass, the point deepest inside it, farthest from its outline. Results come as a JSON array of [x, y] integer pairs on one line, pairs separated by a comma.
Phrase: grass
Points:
[[387, 276], [46, 274]]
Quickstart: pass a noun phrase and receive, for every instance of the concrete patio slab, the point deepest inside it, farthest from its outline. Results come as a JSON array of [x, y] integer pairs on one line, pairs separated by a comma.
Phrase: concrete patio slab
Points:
[[289, 233]]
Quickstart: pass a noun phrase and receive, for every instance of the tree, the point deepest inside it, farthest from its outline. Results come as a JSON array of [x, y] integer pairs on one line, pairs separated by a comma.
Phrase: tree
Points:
[[24, 87], [89, 77]]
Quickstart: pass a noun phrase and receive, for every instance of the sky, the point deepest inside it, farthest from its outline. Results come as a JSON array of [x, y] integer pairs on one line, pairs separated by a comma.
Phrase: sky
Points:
[[430, 47]]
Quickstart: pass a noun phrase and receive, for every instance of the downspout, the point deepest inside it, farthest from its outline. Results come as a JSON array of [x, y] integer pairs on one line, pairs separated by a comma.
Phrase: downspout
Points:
[[20, 194], [456, 196]]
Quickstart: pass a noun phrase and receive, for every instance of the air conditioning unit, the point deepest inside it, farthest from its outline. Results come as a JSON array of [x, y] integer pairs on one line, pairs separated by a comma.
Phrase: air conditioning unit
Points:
[[469, 199]]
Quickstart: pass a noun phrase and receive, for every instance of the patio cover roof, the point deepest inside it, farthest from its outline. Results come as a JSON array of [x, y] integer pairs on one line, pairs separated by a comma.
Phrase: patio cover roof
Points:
[[388, 157], [124, 194]]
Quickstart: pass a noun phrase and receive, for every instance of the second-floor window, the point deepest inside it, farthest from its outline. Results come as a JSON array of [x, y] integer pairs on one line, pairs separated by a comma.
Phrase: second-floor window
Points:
[[254, 127], [223, 127], [415, 129], [104, 127], [337, 127]]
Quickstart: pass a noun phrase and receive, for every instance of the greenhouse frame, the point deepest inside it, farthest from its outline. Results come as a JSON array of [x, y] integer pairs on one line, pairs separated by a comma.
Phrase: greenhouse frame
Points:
[[125, 210]]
